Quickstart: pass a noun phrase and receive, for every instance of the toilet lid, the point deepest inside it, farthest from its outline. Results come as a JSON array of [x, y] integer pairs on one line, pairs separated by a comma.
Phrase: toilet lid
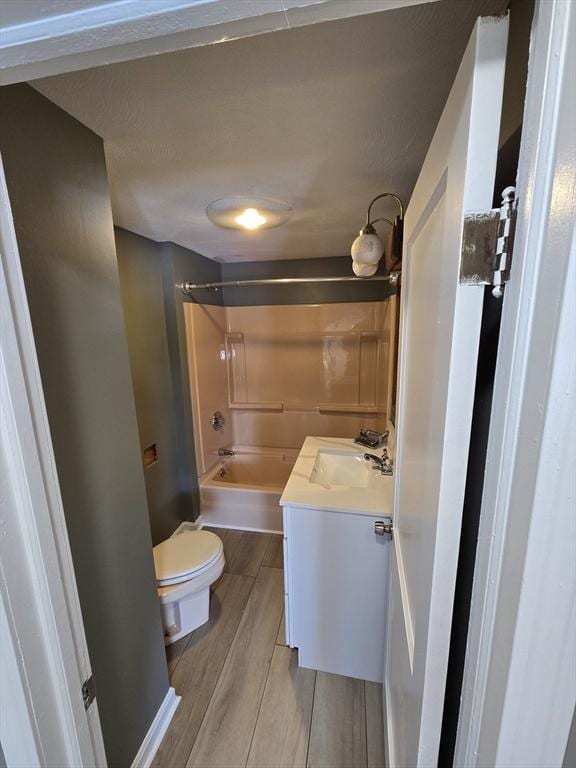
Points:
[[188, 553]]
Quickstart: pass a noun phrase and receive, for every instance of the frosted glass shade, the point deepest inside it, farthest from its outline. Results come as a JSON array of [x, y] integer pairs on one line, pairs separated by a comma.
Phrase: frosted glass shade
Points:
[[367, 249], [248, 213], [364, 270]]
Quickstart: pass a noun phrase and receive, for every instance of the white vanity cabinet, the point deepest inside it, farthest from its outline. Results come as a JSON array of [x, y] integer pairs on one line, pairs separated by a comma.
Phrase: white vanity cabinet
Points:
[[336, 589]]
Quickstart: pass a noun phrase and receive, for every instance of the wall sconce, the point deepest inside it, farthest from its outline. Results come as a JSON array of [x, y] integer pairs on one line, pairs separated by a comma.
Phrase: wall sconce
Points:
[[368, 248]]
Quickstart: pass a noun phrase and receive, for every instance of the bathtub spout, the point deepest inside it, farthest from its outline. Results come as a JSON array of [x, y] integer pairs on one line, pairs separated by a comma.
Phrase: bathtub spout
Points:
[[225, 452]]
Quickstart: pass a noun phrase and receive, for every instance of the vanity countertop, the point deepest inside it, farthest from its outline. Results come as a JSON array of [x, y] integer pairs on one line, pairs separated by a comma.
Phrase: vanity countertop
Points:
[[376, 498]]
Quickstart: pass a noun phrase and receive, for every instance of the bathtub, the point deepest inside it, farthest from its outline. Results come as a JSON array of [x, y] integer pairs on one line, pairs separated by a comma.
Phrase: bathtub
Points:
[[243, 491]]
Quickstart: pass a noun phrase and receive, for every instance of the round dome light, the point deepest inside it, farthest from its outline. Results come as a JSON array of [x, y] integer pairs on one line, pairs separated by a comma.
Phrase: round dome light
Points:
[[249, 213]]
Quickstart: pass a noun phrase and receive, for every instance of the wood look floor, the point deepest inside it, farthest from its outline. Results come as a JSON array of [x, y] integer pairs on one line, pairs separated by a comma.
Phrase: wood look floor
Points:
[[245, 702]]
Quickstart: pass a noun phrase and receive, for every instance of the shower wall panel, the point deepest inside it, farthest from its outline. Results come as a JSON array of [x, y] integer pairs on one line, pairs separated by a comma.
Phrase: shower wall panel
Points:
[[279, 373], [317, 369], [205, 335]]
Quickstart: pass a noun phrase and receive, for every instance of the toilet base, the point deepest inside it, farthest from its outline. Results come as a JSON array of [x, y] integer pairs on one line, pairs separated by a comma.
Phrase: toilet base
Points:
[[185, 615], [186, 606]]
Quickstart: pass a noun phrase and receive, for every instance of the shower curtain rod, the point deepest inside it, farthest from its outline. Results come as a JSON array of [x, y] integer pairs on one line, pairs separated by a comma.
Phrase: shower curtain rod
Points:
[[188, 287]]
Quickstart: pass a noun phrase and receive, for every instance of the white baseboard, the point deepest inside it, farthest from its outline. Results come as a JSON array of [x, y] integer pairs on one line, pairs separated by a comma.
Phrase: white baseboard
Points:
[[199, 524], [248, 528], [189, 526], [156, 732]]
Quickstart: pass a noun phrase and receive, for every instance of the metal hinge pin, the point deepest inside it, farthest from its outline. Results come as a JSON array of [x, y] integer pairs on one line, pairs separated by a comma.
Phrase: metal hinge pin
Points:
[[88, 691]]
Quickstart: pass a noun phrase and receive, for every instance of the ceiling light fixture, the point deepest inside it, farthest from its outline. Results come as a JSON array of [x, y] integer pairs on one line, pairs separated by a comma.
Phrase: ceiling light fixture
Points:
[[250, 218], [248, 213], [368, 248]]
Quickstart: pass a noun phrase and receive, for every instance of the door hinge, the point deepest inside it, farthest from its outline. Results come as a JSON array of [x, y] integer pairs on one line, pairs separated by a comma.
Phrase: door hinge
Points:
[[487, 244], [88, 691]]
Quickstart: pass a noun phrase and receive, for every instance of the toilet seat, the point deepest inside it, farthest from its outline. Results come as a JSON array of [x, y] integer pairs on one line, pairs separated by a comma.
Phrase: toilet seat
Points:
[[185, 556]]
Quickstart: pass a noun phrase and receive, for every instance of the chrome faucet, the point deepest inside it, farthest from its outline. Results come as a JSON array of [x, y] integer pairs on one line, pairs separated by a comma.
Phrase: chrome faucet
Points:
[[225, 452], [382, 463]]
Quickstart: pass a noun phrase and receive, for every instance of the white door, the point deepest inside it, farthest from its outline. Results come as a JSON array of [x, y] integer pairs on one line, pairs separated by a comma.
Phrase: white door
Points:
[[440, 324]]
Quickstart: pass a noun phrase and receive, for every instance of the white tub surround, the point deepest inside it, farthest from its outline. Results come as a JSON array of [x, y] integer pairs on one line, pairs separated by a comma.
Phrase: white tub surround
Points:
[[335, 561]]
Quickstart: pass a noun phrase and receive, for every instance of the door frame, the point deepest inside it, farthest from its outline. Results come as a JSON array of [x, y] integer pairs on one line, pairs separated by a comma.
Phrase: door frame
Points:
[[36, 523], [519, 688], [44, 658]]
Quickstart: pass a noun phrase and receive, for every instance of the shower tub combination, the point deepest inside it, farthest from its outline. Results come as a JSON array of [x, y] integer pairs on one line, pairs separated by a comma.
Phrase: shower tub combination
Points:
[[263, 378], [243, 491]]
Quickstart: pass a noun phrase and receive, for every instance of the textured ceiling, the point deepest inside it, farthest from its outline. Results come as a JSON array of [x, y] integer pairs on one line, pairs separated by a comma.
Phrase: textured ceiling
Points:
[[324, 117]]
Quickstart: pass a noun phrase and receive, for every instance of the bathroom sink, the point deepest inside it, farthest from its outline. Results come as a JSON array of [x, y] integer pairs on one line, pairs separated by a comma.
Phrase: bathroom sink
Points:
[[331, 474], [341, 468]]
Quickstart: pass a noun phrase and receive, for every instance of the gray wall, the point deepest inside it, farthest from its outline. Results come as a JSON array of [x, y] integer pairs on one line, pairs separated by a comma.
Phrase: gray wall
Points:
[[570, 754], [312, 293], [140, 270], [521, 15], [180, 265], [58, 190], [189, 266]]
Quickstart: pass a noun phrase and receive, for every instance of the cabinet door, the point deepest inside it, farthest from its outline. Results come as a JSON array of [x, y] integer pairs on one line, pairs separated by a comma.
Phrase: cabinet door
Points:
[[338, 582]]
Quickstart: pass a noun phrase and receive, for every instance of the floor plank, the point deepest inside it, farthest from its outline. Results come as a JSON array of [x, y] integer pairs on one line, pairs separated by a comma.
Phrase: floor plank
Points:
[[374, 726], [230, 539], [338, 733], [274, 557], [174, 652], [283, 725], [226, 732], [281, 636], [196, 675], [248, 555]]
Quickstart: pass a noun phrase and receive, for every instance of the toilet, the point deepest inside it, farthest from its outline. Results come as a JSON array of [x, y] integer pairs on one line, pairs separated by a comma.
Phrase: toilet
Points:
[[186, 566]]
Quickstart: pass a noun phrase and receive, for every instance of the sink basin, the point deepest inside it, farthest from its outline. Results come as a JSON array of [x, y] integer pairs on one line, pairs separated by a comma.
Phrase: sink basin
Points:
[[341, 468], [331, 474]]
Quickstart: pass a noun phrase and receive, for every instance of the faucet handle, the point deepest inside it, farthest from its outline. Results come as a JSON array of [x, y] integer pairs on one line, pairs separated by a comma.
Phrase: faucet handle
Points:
[[386, 460], [371, 439]]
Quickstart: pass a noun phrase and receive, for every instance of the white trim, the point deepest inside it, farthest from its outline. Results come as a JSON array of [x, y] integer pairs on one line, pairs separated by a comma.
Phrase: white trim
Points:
[[189, 526], [131, 29], [519, 688], [405, 603], [37, 581], [199, 524], [18, 737], [156, 732], [249, 529]]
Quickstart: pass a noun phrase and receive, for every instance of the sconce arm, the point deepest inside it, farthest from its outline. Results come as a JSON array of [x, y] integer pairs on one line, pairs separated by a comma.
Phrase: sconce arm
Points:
[[369, 228], [379, 197]]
